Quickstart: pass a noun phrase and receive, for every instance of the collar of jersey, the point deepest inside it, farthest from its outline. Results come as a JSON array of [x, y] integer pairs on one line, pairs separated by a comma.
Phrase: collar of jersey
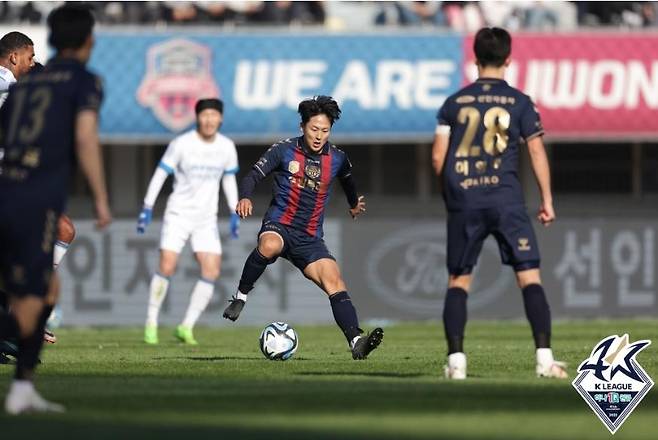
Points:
[[490, 80], [301, 144]]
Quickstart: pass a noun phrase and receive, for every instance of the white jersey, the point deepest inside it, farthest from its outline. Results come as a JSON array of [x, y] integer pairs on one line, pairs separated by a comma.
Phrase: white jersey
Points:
[[198, 167], [6, 79]]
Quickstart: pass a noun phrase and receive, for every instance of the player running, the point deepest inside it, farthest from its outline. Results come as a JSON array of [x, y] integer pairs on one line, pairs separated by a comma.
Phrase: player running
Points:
[[199, 159], [304, 168], [45, 116], [476, 151]]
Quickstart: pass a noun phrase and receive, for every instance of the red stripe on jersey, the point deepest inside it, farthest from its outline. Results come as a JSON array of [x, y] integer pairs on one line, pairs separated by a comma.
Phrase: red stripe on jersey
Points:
[[325, 180], [295, 189]]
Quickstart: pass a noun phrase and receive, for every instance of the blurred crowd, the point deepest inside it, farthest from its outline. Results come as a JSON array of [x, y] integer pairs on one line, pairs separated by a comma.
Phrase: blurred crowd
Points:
[[353, 15]]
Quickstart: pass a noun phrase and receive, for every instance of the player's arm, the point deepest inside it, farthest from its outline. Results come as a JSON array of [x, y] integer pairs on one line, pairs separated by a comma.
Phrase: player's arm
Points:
[[261, 169], [91, 162], [164, 169], [357, 203], [230, 188], [440, 147], [541, 168]]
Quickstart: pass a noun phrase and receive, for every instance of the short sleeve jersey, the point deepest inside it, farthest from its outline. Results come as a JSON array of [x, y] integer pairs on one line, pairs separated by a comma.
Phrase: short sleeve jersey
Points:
[[198, 167], [302, 182], [487, 120], [6, 79], [37, 124]]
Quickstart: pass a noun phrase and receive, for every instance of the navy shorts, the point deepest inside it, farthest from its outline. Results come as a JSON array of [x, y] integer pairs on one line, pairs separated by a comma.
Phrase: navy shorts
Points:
[[510, 226], [299, 248], [28, 229]]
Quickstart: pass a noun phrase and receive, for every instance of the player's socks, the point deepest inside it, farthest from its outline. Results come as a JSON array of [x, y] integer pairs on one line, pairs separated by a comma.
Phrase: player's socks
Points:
[[253, 269], [157, 293], [454, 319], [538, 314], [345, 315], [23, 398], [547, 366], [59, 251], [29, 348], [201, 295], [456, 368]]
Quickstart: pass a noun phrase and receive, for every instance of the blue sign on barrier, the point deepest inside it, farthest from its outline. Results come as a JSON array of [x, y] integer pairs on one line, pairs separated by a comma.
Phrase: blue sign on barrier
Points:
[[389, 87]]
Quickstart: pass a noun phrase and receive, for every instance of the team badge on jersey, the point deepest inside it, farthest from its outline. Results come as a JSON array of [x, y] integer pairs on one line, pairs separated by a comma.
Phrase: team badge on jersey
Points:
[[312, 171], [178, 74], [611, 380], [293, 167]]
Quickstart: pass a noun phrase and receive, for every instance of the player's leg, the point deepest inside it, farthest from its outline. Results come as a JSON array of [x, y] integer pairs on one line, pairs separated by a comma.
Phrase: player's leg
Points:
[[518, 248], [207, 248], [311, 256], [271, 244], [467, 231], [65, 236], [28, 237]]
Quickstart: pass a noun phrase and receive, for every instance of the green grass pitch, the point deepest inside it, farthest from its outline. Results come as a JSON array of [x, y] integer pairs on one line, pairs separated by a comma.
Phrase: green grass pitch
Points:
[[115, 387]]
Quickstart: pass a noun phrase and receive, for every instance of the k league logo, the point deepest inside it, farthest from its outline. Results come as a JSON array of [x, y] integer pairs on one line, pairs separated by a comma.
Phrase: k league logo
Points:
[[611, 381]]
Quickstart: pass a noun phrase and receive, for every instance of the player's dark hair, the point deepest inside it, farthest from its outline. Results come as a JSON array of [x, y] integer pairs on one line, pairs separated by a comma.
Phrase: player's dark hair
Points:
[[208, 103], [70, 26], [492, 46], [13, 41], [319, 105]]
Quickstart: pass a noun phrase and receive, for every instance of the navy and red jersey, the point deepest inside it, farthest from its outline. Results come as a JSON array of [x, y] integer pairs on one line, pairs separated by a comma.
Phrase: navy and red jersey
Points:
[[302, 183], [487, 120], [37, 123]]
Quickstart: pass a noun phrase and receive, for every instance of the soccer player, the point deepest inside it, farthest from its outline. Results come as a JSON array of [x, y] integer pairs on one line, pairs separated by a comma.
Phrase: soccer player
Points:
[[476, 150], [45, 116], [199, 159], [304, 168]]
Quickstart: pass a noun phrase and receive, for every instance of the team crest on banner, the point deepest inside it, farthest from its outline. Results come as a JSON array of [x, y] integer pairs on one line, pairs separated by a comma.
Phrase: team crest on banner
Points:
[[178, 73], [611, 381]]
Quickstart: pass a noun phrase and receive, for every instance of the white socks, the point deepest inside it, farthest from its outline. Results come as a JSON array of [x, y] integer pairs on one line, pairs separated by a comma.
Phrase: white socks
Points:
[[545, 357], [58, 252], [456, 368], [201, 295], [157, 294], [241, 296]]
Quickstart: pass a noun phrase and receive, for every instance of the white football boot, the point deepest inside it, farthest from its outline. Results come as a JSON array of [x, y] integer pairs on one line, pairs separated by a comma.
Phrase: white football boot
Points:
[[549, 367], [456, 368], [23, 398]]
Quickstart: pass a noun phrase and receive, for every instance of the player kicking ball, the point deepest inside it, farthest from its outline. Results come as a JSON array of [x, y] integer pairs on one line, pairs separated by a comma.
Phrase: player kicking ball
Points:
[[304, 168], [476, 151], [199, 159]]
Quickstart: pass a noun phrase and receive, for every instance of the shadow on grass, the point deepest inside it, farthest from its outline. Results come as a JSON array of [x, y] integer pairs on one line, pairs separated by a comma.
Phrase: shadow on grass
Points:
[[356, 373]]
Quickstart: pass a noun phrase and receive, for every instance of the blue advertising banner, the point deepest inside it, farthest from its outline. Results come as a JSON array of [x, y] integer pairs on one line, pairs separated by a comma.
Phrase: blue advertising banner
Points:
[[389, 87]]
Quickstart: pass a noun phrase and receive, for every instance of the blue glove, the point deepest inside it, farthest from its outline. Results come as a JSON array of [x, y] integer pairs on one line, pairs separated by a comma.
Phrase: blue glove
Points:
[[144, 219], [235, 226]]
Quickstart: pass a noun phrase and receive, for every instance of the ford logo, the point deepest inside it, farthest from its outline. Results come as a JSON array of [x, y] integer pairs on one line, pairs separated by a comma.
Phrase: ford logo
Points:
[[407, 270]]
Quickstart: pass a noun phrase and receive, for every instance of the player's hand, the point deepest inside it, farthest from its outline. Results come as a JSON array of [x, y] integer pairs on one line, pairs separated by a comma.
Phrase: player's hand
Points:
[[103, 214], [244, 208], [359, 208], [546, 214], [144, 219], [235, 226]]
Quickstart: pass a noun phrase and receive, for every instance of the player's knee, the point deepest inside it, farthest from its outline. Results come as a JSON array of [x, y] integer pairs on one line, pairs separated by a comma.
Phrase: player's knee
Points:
[[269, 247], [332, 282], [65, 229], [459, 281], [526, 277], [167, 268], [210, 273]]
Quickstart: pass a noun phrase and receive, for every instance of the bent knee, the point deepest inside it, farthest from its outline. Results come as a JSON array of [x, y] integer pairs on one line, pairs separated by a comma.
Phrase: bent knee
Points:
[[65, 229], [270, 245]]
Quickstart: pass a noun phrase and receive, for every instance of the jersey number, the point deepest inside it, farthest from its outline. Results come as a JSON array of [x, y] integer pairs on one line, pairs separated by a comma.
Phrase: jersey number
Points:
[[38, 103], [496, 123]]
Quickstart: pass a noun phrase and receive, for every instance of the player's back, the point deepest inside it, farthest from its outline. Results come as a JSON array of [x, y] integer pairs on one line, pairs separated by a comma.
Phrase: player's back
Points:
[[488, 119], [37, 123]]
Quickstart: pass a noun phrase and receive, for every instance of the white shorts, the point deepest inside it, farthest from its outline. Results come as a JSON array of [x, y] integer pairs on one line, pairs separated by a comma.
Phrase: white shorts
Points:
[[177, 229]]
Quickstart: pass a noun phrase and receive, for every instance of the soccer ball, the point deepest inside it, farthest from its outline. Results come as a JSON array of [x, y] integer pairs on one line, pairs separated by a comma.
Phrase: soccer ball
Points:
[[278, 341]]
